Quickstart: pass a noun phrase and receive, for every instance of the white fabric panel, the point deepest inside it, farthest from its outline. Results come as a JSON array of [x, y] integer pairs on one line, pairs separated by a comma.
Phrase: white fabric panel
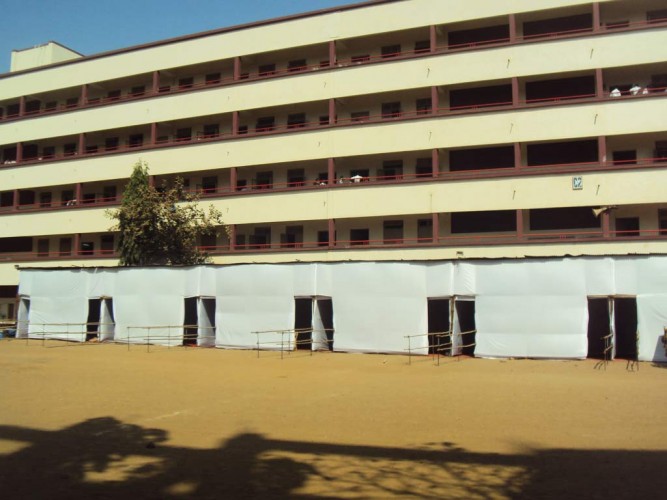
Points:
[[651, 319], [324, 280], [464, 276], [599, 276], [149, 280], [192, 283], [205, 331], [136, 311], [304, 279], [319, 336], [60, 317], [23, 317], [439, 277], [208, 276], [626, 277], [27, 277], [100, 282], [531, 326], [651, 274], [107, 326], [238, 317]]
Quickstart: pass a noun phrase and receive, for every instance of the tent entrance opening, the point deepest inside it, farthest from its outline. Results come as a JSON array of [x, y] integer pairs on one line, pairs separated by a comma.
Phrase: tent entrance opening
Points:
[[625, 327], [303, 322], [439, 334], [465, 314], [612, 328], [93, 321], [190, 321]]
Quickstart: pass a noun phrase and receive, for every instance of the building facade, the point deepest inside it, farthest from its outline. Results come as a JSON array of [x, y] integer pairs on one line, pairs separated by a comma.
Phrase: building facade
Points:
[[417, 130]]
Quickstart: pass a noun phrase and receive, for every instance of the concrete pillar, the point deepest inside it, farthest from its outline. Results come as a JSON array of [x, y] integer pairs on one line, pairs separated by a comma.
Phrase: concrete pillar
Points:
[[332, 232], [332, 111], [435, 218], [435, 162], [332, 53], [331, 171]]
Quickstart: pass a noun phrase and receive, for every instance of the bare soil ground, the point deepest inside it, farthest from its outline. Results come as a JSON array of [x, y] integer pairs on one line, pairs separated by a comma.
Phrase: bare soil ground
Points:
[[102, 421]]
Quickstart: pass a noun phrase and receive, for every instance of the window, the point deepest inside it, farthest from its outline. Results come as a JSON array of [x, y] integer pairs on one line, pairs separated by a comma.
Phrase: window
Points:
[[324, 64], [72, 102], [267, 69], [69, 149], [243, 129], [359, 237], [89, 198], [324, 119], [264, 180], [391, 170], [48, 152], [423, 106], [656, 16], [65, 246], [136, 140], [113, 95], [424, 167], [212, 78], [45, 199], [111, 143], [422, 46], [7, 199], [209, 184], [624, 157], [296, 120], [138, 90], [660, 152], [106, 245], [186, 83], [66, 197], [240, 241], [164, 88], [393, 231], [265, 124], [293, 237], [360, 116], [424, 230], [30, 151], [109, 194], [208, 242], [322, 238], [87, 248], [484, 222], [42, 247], [627, 226], [390, 51], [296, 177], [91, 149], [183, 134], [13, 110], [32, 107], [296, 65], [391, 109], [211, 130], [49, 106], [261, 238], [662, 221]]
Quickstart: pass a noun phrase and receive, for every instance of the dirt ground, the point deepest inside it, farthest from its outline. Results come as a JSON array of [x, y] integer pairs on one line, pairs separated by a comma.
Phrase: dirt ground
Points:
[[102, 421]]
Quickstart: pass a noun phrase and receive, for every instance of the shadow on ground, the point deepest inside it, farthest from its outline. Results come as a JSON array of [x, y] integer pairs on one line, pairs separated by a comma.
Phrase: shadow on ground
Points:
[[105, 458]]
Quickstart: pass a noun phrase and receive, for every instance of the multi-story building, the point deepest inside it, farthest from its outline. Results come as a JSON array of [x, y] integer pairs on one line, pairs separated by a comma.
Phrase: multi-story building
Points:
[[388, 130]]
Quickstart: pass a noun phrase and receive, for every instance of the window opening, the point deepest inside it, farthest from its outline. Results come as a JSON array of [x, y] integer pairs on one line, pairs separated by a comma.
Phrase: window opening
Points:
[[393, 232], [359, 237], [627, 226], [390, 51]]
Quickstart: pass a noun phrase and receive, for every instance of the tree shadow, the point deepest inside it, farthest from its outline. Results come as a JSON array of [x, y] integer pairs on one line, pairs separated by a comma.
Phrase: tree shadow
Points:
[[108, 459]]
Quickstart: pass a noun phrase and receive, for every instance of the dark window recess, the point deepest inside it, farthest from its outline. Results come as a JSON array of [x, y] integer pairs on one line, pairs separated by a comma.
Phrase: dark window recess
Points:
[[424, 230], [186, 83], [7, 199], [571, 24], [161, 139], [390, 51], [296, 177], [89, 198], [244, 76], [324, 120], [239, 241], [391, 109], [296, 120], [65, 246], [111, 143], [72, 102], [92, 149], [360, 116], [69, 149], [109, 193], [211, 130], [322, 178], [265, 124], [138, 90], [658, 83], [66, 197], [261, 238], [87, 248], [296, 65], [106, 243], [32, 106], [9, 154], [184, 134], [17, 244], [656, 16], [136, 140], [359, 236], [481, 158], [558, 153], [30, 151], [624, 157], [480, 96], [322, 238], [93, 100], [424, 167], [13, 110], [267, 69], [617, 24], [660, 151], [483, 222], [391, 170], [264, 180], [42, 247], [324, 64], [208, 242], [423, 106], [571, 88], [164, 88], [422, 46], [45, 199], [479, 36], [48, 152], [212, 78], [292, 237], [26, 198], [627, 226], [360, 58], [563, 218], [243, 129], [113, 95], [392, 231], [50, 106], [662, 221], [209, 184], [2, 111]]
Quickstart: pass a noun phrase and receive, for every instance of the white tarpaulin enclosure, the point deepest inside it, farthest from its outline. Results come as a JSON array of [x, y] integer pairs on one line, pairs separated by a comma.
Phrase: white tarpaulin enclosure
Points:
[[547, 307]]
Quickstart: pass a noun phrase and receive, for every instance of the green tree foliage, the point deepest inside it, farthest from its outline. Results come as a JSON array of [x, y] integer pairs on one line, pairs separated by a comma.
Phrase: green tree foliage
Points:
[[161, 226]]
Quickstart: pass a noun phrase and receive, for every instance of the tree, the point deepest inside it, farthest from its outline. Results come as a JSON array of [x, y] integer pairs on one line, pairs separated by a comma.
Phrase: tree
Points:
[[161, 226]]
